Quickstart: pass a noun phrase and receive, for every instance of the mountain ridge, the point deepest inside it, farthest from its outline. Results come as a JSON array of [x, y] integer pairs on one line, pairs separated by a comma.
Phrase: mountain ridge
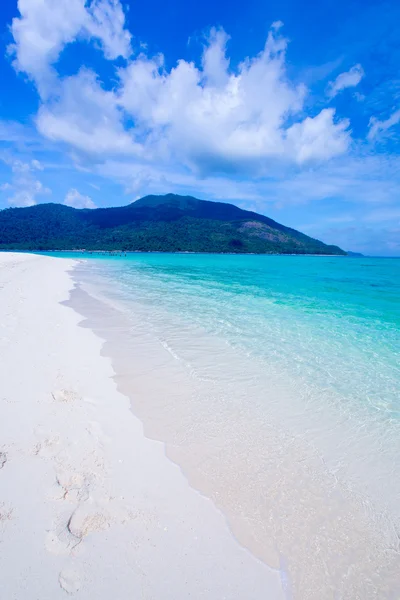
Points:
[[168, 223]]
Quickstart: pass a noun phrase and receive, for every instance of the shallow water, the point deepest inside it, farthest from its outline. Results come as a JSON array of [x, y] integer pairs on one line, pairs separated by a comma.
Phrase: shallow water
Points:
[[274, 382]]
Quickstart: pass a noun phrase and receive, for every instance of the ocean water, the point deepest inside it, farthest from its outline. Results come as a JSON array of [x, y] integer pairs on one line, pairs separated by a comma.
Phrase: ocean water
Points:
[[274, 382]]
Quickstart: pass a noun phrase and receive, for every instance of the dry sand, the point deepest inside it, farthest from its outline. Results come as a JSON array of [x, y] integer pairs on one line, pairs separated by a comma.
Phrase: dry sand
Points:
[[89, 507]]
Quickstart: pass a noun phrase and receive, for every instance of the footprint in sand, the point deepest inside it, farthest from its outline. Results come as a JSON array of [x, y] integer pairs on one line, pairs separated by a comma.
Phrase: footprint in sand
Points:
[[5, 513], [69, 580], [48, 444], [89, 517], [75, 487], [60, 540], [95, 430], [3, 459], [63, 395], [70, 530]]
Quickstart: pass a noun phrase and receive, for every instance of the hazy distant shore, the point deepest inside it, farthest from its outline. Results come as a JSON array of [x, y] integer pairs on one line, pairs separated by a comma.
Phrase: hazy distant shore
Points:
[[90, 506]]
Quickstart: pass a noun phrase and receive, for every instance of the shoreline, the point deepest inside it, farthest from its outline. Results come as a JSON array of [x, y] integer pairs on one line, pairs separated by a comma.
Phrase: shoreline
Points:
[[91, 506], [125, 252], [315, 510]]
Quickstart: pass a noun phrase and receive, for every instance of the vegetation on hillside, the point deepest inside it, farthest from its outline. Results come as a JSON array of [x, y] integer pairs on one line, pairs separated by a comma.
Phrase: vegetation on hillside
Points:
[[156, 223]]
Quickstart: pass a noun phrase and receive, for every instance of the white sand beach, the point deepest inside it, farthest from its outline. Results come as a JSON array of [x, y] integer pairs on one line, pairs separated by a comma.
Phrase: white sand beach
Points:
[[88, 506]]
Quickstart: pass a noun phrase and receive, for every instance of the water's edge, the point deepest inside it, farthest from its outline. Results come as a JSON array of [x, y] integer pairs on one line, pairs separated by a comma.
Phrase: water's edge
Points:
[[283, 503]]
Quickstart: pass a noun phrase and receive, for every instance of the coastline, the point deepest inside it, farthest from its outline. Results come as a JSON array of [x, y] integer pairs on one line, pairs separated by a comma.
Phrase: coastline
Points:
[[332, 540], [90, 505], [125, 252]]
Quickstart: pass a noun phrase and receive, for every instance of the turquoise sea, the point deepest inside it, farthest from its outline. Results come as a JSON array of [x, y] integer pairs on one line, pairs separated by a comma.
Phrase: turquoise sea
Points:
[[274, 382], [334, 320]]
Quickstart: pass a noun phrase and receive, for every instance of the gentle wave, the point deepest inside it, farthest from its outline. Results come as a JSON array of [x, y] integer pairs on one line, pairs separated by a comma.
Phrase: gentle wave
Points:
[[274, 382]]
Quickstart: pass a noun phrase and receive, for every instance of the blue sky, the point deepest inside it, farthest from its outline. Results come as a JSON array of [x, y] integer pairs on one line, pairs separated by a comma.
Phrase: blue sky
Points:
[[288, 108]]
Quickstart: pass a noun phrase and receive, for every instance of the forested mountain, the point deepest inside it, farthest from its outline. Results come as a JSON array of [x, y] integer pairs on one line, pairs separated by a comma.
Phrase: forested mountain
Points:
[[167, 223]]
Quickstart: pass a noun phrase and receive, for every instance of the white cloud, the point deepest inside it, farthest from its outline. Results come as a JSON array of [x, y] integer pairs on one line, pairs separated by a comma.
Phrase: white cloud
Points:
[[18, 166], [37, 165], [377, 127], [85, 116], [216, 120], [77, 200], [309, 139], [199, 128], [345, 80], [358, 181], [22, 198], [26, 191], [359, 97], [46, 26], [214, 62], [210, 118], [24, 188], [13, 132], [106, 22]]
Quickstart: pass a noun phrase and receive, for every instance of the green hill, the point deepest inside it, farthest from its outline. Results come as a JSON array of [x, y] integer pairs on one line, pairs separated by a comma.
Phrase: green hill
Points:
[[167, 223]]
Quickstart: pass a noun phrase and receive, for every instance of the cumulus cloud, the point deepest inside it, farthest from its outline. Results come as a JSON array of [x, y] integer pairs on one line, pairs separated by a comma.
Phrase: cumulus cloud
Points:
[[37, 165], [210, 117], [45, 27], [377, 127], [214, 119], [309, 138], [77, 200], [24, 188], [200, 127], [26, 192], [19, 166], [86, 116], [345, 80], [215, 63]]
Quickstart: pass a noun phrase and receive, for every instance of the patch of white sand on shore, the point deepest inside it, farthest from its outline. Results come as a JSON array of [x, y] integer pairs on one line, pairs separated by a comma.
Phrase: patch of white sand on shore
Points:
[[89, 507]]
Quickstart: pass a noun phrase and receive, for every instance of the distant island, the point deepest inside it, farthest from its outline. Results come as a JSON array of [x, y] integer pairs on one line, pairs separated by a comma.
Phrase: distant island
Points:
[[168, 223], [355, 254]]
